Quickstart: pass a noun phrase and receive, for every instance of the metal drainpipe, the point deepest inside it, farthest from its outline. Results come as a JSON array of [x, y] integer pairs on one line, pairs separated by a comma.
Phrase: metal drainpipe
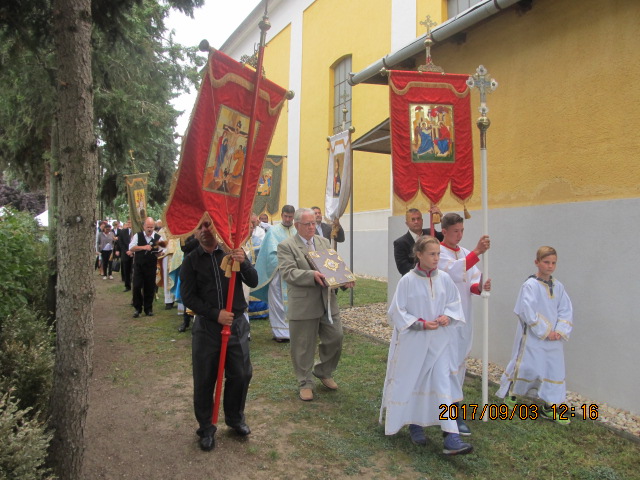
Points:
[[455, 25]]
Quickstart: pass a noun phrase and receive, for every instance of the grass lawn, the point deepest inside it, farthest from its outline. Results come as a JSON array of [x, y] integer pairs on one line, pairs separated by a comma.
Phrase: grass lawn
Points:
[[340, 429]]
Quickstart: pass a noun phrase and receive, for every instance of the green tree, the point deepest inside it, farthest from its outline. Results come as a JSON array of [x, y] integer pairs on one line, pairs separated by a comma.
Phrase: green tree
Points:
[[52, 44]]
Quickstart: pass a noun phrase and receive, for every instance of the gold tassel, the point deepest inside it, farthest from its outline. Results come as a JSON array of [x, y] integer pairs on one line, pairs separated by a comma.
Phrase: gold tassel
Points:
[[467, 215], [236, 266], [436, 218]]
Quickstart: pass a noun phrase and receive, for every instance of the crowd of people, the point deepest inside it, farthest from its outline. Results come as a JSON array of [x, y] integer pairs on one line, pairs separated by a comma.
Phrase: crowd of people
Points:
[[431, 315]]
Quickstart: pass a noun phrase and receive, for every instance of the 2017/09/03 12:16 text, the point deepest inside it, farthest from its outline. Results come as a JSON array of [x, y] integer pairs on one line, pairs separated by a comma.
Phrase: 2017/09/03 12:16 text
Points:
[[523, 411]]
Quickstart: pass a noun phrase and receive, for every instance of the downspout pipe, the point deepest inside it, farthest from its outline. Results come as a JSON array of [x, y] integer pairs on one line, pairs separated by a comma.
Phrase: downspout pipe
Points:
[[448, 29]]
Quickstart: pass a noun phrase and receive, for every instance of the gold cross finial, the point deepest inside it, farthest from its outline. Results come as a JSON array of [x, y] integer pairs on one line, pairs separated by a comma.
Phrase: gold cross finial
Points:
[[428, 23], [429, 66]]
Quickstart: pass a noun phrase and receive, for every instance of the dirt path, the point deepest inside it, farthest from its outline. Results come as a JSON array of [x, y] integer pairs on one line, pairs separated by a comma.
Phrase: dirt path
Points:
[[140, 422]]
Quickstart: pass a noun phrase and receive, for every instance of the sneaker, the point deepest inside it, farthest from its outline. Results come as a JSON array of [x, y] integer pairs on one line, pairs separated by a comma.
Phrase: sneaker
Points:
[[510, 401], [416, 432], [463, 428], [110, 277], [548, 414], [104, 278], [454, 446]]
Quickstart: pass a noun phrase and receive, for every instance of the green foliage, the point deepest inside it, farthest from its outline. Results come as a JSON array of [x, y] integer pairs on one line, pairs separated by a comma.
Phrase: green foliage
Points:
[[26, 358], [23, 268], [24, 444], [137, 70]]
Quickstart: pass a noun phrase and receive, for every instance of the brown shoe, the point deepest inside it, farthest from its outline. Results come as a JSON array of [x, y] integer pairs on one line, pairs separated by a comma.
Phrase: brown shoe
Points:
[[330, 383], [306, 394]]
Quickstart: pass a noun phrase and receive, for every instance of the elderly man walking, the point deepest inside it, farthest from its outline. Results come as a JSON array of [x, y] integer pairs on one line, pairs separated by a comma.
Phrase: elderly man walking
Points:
[[308, 315]]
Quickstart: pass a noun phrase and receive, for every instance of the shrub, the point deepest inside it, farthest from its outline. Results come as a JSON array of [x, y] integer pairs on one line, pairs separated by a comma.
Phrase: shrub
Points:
[[23, 269], [24, 444], [26, 359]]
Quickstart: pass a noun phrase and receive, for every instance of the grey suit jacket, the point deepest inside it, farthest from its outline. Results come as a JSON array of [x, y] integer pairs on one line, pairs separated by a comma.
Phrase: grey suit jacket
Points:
[[307, 299]]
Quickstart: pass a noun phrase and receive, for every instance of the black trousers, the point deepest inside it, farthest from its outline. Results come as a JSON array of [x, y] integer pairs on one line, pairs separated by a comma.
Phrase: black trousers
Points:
[[126, 262], [144, 286], [106, 262], [205, 343]]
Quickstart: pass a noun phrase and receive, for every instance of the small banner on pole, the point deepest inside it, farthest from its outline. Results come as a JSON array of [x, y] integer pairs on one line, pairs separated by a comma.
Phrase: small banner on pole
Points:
[[338, 189], [268, 192], [431, 141], [214, 163], [137, 198]]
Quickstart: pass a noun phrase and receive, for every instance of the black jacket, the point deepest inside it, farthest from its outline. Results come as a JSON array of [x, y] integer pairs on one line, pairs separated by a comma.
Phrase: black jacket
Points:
[[403, 250]]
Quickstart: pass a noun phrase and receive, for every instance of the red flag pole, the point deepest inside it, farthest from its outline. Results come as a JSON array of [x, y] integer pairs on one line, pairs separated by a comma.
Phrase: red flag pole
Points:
[[226, 330]]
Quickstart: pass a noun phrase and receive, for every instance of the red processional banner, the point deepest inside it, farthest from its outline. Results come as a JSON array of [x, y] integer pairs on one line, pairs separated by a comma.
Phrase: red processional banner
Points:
[[214, 163], [431, 141]]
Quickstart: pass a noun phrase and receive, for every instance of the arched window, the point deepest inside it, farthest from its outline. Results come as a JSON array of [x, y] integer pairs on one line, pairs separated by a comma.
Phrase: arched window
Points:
[[341, 93]]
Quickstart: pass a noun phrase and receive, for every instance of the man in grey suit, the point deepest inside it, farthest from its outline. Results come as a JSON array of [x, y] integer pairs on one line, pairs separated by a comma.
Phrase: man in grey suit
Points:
[[307, 310]]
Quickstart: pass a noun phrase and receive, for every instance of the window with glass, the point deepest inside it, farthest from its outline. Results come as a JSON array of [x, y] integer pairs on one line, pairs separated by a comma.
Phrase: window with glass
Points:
[[341, 93]]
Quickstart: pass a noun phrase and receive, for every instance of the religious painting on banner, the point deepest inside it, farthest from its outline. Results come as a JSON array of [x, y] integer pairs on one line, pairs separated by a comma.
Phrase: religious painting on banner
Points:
[[217, 162], [267, 198], [137, 199], [431, 135], [338, 191], [225, 164]]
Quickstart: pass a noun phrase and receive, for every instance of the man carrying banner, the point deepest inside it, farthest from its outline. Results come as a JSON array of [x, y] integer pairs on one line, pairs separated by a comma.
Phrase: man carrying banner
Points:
[[271, 287], [204, 290], [403, 246], [324, 229]]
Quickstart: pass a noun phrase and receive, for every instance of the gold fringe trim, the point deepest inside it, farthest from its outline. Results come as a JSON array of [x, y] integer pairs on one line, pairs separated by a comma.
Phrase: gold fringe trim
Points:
[[417, 84]]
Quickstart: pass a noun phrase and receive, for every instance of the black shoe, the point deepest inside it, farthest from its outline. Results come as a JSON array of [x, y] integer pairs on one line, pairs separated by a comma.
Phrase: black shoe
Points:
[[242, 429], [168, 306], [137, 314], [149, 314], [126, 289], [208, 443], [185, 324], [281, 340]]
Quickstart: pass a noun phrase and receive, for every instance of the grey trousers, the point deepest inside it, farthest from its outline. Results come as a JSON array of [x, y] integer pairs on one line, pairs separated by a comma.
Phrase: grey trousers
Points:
[[304, 337]]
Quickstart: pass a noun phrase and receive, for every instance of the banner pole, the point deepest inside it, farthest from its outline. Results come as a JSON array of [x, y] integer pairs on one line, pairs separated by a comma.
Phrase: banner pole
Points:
[[480, 80], [226, 330]]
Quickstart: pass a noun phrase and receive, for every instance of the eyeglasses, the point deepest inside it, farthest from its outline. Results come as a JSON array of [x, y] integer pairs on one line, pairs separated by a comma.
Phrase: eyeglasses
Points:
[[308, 224]]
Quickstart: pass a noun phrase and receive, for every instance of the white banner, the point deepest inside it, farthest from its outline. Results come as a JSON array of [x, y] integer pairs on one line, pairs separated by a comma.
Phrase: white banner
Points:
[[338, 176]]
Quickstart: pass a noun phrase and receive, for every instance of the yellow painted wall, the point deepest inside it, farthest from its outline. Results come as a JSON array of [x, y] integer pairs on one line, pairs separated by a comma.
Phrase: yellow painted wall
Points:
[[437, 9], [276, 65], [566, 115], [331, 30]]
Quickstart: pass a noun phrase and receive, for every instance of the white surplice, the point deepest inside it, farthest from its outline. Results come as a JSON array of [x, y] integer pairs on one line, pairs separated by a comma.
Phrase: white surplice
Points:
[[421, 368], [455, 264], [536, 368]]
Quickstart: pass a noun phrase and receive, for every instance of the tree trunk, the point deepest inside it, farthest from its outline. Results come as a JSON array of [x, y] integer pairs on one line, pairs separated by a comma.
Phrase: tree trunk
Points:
[[52, 200], [76, 235]]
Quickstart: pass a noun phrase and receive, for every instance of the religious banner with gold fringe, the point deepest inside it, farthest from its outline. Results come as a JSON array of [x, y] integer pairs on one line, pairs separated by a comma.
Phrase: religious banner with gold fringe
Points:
[[267, 199], [431, 141], [338, 189], [137, 198], [215, 162]]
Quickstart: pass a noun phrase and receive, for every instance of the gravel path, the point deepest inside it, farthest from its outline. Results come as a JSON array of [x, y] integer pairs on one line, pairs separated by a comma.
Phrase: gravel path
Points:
[[371, 320]]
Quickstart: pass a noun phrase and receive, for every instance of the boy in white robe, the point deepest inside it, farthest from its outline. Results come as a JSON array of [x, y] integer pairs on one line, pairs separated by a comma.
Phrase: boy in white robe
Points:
[[460, 264], [421, 368], [545, 314]]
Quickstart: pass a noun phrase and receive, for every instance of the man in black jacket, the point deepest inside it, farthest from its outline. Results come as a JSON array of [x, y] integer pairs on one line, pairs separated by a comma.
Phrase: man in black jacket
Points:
[[144, 246], [204, 288], [123, 253], [324, 229], [403, 246]]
